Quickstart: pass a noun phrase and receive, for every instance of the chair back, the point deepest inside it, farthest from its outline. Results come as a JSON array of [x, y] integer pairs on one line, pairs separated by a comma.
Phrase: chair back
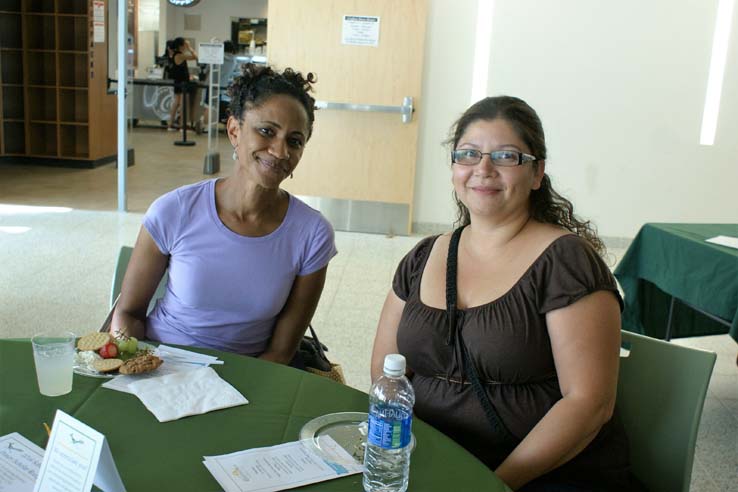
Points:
[[661, 392], [124, 256]]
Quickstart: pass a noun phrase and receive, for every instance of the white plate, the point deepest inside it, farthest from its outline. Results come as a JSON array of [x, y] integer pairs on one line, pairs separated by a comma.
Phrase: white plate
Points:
[[348, 429], [83, 364]]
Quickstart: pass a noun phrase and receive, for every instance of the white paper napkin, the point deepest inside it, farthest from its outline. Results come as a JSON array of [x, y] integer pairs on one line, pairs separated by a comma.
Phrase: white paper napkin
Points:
[[181, 394]]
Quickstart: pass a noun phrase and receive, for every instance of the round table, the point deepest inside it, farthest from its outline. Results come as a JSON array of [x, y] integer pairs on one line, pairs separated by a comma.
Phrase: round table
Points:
[[168, 456]]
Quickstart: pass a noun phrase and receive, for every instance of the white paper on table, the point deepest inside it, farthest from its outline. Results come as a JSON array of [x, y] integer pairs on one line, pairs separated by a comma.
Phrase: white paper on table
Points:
[[121, 382], [20, 460], [182, 394], [281, 467], [172, 353], [729, 241]]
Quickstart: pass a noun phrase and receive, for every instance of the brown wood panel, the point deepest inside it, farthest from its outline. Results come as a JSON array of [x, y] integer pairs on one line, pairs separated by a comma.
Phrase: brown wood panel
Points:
[[372, 160], [102, 106], [353, 155]]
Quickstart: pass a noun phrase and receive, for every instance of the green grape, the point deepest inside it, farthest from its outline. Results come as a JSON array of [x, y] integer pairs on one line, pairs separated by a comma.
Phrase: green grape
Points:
[[132, 345], [120, 343]]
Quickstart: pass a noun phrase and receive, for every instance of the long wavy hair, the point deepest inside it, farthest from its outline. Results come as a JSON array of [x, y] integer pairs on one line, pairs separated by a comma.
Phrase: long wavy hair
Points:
[[546, 205], [257, 83]]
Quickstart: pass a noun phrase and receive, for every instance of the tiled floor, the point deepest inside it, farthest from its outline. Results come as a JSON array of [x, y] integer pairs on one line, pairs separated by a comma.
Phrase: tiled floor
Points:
[[56, 266]]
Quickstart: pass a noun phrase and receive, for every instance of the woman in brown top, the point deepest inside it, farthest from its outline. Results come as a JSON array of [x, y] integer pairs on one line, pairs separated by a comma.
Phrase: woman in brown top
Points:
[[536, 308]]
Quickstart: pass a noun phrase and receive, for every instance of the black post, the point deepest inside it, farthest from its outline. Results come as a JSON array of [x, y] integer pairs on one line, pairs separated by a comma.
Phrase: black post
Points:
[[184, 141]]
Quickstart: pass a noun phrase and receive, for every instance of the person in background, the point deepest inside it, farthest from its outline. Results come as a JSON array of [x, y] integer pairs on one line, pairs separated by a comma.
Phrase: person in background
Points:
[[182, 52], [166, 61], [535, 314], [246, 260]]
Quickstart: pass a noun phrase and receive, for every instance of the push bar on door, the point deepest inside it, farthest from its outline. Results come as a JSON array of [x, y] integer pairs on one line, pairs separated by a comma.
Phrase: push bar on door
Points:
[[406, 110]]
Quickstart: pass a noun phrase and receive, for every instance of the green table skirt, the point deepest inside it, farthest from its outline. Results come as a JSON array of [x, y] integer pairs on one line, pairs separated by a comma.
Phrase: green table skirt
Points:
[[154, 456], [668, 260]]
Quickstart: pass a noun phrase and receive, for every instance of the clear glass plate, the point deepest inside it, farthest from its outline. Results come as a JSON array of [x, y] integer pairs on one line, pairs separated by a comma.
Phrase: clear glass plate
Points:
[[348, 429]]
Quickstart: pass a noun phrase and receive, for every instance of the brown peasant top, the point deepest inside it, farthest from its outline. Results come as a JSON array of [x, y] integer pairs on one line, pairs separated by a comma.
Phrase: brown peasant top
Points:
[[508, 342]]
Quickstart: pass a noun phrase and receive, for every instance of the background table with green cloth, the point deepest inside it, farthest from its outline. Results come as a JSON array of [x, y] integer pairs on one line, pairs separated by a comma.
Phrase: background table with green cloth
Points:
[[668, 260], [168, 456]]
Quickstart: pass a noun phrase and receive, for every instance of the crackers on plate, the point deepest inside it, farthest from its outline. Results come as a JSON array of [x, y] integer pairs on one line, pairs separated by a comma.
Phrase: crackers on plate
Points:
[[107, 365], [141, 364], [94, 341]]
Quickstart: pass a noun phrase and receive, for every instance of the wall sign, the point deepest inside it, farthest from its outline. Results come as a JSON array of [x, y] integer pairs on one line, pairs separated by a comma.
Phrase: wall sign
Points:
[[184, 3], [360, 30]]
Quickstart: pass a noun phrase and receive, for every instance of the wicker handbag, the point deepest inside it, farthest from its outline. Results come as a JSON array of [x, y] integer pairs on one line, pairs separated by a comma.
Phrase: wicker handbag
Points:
[[313, 356]]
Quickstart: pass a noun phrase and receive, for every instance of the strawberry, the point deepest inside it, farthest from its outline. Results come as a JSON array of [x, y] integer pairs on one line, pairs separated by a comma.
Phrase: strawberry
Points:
[[108, 351]]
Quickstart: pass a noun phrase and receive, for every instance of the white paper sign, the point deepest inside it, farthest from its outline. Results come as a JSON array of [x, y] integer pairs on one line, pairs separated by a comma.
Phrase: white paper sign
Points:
[[210, 53], [281, 467], [20, 460], [729, 241], [76, 457], [360, 30], [98, 29], [98, 10]]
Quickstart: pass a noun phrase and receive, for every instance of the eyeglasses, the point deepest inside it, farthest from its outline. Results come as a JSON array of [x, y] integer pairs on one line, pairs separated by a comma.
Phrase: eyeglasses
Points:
[[506, 158]]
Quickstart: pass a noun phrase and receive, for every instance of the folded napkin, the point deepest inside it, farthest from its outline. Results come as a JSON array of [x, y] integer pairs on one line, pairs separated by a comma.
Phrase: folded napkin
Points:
[[181, 394]]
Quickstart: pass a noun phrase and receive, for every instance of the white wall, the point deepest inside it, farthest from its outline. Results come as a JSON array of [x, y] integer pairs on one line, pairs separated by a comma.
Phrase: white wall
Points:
[[620, 88], [215, 18]]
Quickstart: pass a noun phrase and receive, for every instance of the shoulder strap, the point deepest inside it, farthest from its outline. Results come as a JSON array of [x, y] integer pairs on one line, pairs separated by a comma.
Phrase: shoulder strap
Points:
[[455, 334]]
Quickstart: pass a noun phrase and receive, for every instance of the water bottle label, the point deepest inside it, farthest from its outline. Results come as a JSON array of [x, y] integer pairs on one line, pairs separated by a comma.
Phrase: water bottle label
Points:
[[389, 426]]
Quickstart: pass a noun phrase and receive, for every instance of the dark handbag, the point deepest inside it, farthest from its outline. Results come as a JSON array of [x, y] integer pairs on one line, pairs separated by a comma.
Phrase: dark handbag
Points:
[[469, 368], [313, 357]]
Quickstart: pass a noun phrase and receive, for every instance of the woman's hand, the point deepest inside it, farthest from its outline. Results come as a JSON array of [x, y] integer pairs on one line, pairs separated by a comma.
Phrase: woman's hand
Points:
[[295, 317], [144, 272], [585, 340]]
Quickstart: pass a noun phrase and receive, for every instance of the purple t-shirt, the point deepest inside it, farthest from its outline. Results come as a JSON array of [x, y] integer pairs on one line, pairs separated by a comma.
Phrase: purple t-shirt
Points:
[[226, 290]]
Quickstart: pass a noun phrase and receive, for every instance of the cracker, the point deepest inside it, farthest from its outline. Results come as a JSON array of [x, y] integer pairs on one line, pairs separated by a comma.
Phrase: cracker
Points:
[[140, 364], [107, 365], [93, 341]]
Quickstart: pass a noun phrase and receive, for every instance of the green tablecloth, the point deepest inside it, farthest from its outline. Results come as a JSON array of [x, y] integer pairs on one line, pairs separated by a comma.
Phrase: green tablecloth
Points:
[[168, 456], [668, 260]]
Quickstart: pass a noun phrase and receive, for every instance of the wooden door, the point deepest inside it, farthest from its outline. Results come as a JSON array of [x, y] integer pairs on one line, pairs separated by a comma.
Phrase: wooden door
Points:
[[363, 160]]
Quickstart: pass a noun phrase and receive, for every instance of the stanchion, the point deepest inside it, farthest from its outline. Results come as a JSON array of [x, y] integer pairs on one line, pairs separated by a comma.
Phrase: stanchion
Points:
[[184, 141], [211, 165]]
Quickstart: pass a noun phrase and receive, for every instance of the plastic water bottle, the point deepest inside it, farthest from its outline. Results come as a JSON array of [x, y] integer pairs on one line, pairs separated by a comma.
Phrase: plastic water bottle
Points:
[[387, 455]]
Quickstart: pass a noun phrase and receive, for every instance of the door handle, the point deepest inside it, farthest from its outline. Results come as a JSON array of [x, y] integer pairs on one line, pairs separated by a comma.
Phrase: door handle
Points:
[[406, 109]]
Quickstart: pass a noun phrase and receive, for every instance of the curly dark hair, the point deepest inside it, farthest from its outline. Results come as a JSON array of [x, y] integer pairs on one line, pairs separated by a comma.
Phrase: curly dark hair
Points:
[[257, 83], [546, 205]]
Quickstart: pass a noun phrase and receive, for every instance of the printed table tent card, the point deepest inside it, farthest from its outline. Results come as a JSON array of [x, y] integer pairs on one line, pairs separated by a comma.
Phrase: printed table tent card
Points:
[[76, 457], [20, 460]]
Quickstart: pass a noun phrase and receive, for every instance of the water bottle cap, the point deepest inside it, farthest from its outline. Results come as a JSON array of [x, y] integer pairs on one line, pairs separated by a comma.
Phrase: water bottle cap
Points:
[[394, 364]]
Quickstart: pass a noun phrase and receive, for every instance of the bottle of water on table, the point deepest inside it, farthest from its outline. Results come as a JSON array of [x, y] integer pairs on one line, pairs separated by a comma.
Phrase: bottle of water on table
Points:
[[387, 456]]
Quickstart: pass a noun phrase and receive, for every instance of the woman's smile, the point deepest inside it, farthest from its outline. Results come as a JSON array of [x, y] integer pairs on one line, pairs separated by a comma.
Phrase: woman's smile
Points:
[[486, 189], [274, 165]]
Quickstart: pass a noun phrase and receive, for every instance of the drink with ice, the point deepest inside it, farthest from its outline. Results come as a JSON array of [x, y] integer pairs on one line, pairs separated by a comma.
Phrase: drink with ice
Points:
[[54, 359]]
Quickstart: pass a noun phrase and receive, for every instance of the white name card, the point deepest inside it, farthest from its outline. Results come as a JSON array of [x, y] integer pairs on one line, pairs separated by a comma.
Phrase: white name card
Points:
[[76, 457]]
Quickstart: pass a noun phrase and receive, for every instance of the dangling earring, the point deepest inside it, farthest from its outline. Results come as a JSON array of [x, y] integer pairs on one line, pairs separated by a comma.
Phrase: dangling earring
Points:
[[234, 156], [292, 175]]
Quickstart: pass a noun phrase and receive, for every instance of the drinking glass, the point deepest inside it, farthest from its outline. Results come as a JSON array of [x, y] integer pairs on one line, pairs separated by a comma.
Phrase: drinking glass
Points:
[[54, 359]]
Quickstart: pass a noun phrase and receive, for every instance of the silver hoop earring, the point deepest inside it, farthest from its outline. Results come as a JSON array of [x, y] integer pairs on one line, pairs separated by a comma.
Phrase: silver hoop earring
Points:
[[234, 156]]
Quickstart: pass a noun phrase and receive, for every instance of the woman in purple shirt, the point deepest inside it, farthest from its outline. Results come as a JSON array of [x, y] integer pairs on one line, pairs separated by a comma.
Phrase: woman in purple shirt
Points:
[[246, 260]]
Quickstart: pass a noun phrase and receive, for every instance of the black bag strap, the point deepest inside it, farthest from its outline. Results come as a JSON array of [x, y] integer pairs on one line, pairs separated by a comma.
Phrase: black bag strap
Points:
[[318, 346], [455, 335]]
